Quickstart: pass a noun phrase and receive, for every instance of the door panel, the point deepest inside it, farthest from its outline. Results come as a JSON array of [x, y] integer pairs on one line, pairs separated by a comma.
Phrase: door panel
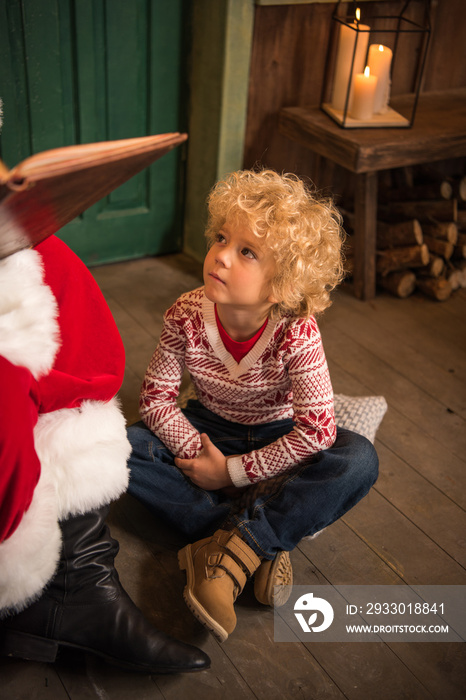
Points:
[[98, 70]]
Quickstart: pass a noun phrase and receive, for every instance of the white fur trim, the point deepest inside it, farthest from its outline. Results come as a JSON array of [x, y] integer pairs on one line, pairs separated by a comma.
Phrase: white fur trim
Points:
[[29, 331], [85, 451], [29, 557]]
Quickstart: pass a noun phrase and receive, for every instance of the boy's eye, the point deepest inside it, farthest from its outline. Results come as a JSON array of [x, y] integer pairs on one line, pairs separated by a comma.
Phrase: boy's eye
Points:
[[247, 252], [219, 238]]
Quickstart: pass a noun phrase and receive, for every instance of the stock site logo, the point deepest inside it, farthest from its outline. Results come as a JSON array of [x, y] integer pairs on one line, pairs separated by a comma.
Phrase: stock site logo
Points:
[[312, 605]]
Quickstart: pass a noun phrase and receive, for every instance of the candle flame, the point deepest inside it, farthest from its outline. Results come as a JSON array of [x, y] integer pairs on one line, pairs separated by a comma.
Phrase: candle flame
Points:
[[358, 14], [380, 47], [367, 71]]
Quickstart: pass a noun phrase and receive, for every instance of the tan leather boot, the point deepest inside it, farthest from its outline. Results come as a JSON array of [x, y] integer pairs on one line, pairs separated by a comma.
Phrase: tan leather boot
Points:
[[216, 570], [273, 580]]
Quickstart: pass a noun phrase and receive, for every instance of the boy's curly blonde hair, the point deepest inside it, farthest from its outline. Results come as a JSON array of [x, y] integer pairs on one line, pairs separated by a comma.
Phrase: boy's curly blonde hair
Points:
[[302, 229]]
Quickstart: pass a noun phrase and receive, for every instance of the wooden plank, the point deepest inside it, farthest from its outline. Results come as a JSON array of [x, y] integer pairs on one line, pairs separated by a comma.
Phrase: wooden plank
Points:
[[450, 70], [380, 673], [422, 324], [339, 555], [431, 511], [418, 561], [87, 676], [413, 402], [139, 347], [129, 396], [441, 667], [146, 288], [435, 321], [365, 216], [389, 344], [457, 306], [411, 443], [139, 341], [345, 559], [275, 670], [424, 454], [20, 679], [278, 670], [433, 136], [402, 545]]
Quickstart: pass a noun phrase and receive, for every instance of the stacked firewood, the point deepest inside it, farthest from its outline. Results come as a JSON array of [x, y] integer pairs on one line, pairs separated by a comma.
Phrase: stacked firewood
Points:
[[421, 239]]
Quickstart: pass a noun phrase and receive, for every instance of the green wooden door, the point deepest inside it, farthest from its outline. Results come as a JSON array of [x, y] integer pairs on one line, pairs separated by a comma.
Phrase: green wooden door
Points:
[[79, 71]]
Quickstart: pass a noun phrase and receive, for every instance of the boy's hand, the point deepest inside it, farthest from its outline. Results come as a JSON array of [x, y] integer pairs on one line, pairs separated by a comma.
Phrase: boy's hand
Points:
[[208, 470]]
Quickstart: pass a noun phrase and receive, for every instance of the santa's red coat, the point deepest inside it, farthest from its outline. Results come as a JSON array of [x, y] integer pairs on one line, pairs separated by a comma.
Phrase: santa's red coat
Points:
[[63, 446]]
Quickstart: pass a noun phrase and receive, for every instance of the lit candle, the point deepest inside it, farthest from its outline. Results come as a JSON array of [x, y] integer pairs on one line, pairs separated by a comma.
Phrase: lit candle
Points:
[[346, 42], [379, 62], [362, 104]]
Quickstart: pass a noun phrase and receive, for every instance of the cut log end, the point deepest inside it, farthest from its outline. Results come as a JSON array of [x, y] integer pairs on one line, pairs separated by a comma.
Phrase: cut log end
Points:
[[438, 289], [401, 284], [401, 258]]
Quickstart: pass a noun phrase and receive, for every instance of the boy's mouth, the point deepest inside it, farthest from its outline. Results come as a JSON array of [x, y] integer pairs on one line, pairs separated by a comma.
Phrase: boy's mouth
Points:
[[216, 277]]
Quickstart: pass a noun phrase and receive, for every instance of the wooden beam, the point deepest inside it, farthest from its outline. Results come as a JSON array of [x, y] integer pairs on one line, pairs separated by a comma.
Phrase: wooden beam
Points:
[[365, 214]]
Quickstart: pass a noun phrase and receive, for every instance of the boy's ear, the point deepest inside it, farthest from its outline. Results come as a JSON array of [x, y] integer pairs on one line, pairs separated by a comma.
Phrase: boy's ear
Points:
[[272, 299]]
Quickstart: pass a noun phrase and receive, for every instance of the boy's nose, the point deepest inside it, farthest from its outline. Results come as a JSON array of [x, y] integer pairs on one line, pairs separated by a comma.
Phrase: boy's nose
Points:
[[223, 257]]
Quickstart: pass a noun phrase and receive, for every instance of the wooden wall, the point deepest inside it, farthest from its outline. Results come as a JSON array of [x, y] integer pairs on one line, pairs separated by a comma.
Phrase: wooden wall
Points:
[[288, 65]]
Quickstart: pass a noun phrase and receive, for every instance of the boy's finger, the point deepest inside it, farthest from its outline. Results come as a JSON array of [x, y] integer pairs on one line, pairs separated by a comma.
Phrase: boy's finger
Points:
[[182, 463], [205, 439]]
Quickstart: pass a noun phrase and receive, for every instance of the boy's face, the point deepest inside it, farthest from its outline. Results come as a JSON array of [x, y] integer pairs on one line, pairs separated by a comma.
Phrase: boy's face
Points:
[[238, 269]]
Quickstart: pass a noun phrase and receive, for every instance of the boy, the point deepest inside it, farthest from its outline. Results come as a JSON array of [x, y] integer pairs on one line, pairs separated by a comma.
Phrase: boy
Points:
[[264, 414]]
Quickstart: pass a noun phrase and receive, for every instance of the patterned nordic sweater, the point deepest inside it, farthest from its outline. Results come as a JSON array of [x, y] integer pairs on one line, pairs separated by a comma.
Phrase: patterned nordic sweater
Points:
[[285, 375]]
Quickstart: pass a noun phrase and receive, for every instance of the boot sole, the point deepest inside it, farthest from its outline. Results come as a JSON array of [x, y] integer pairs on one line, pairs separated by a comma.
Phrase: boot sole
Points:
[[27, 646], [31, 648], [185, 562], [275, 594]]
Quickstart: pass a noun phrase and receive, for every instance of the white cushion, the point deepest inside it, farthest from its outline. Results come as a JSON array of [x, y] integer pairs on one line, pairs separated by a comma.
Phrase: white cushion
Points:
[[362, 414]]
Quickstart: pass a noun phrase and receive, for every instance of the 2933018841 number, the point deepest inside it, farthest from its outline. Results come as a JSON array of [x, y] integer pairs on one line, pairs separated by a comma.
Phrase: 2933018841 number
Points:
[[404, 608]]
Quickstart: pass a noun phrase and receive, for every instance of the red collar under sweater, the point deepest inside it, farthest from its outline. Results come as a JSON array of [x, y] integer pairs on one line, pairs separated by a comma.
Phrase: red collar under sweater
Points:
[[238, 349]]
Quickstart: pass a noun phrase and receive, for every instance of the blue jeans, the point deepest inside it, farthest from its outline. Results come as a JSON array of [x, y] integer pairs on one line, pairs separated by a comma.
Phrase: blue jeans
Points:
[[300, 503]]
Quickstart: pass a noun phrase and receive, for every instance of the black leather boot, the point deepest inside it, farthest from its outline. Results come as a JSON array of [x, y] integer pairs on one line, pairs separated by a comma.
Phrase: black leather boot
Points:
[[85, 607]]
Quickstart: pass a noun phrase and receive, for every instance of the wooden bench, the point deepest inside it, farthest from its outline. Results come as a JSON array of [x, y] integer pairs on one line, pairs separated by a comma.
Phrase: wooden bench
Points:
[[439, 132]]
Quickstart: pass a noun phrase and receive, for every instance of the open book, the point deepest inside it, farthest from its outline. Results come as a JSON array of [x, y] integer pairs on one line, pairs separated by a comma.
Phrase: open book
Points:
[[49, 189]]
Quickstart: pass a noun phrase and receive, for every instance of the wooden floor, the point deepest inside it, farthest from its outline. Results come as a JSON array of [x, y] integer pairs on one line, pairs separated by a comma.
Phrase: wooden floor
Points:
[[411, 527]]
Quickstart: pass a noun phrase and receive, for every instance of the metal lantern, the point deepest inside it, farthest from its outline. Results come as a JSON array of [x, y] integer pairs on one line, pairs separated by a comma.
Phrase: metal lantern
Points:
[[370, 58]]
